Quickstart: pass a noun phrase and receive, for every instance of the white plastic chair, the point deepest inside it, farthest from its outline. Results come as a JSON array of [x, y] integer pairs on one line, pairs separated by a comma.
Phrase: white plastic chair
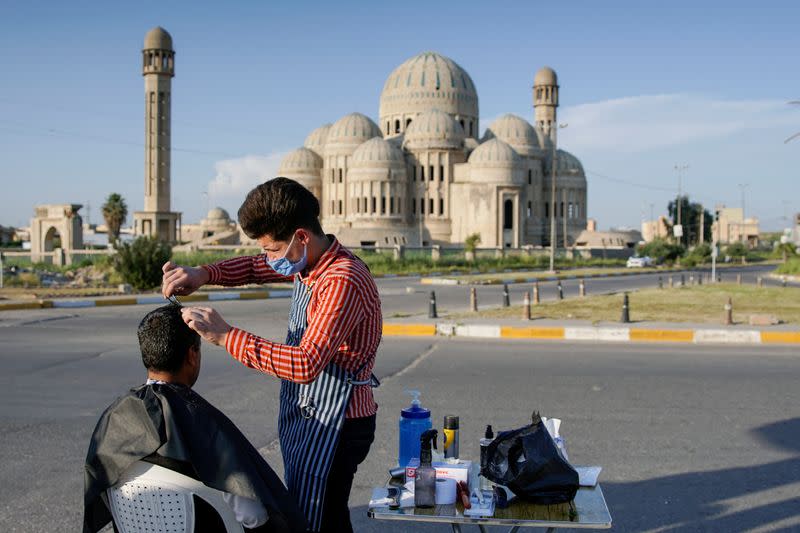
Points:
[[153, 499]]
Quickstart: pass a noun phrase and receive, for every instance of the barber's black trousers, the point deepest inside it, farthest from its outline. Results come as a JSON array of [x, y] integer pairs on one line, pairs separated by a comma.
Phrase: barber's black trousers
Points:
[[354, 443]]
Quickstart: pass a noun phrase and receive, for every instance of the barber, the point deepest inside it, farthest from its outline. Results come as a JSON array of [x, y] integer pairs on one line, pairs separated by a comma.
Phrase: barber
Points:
[[327, 411]]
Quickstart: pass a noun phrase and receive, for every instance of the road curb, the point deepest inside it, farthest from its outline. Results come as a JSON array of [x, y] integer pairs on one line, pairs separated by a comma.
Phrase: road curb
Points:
[[143, 300], [592, 333]]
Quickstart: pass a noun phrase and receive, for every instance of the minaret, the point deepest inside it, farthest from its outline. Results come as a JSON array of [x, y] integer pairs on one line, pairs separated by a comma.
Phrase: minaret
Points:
[[545, 99], [158, 68]]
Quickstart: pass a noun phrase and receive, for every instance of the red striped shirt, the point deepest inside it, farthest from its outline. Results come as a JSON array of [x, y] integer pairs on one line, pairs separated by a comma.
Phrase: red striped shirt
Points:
[[344, 322]]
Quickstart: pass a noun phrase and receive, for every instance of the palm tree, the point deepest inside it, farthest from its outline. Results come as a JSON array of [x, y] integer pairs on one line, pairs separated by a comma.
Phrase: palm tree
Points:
[[114, 212]]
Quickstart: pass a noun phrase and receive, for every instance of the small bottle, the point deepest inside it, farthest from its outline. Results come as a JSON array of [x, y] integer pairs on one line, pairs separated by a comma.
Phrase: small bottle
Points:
[[425, 480], [487, 439], [450, 437]]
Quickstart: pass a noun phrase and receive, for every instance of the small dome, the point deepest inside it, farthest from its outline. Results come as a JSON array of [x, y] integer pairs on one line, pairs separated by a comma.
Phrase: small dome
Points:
[[351, 131], [568, 164], [428, 81], [377, 150], [517, 132], [545, 76], [434, 129], [316, 139], [494, 153], [218, 213], [158, 39], [298, 160]]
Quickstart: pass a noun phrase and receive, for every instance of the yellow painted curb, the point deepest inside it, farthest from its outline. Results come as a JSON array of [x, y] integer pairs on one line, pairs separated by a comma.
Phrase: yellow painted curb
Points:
[[115, 301], [194, 298], [254, 295], [409, 329], [511, 332], [662, 335], [24, 305], [780, 337]]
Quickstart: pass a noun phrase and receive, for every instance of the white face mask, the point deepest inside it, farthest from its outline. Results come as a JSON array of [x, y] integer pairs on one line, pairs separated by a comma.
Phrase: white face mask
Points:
[[284, 266]]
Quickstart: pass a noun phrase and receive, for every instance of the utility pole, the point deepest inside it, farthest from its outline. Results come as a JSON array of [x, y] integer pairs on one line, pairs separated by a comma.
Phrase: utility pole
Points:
[[679, 222], [553, 164]]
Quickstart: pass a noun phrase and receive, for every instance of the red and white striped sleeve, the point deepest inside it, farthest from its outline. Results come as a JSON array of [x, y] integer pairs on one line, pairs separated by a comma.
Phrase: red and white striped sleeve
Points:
[[243, 270], [338, 311]]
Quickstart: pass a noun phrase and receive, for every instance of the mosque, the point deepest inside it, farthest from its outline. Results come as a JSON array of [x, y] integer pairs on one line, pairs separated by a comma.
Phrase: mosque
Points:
[[422, 175]]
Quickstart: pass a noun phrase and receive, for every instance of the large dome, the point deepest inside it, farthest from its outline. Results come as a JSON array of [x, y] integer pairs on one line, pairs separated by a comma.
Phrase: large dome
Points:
[[349, 132], [492, 154], [432, 130], [516, 132], [158, 39], [424, 82], [316, 139]]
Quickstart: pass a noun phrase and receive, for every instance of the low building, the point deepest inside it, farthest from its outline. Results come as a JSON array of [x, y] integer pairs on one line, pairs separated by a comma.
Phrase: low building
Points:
[[7, 235], [731, 226], [613, 244], [656, 229]]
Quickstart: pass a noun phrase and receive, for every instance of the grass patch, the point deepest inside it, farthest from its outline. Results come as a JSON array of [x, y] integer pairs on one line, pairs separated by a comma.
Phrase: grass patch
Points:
[[790, 267], [702, 305]]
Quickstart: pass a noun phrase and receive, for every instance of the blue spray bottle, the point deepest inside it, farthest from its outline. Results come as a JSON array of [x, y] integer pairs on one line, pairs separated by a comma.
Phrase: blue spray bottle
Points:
[[414, 421]]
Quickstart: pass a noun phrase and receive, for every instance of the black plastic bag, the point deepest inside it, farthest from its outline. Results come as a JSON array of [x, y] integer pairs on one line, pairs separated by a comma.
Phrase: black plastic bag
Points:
[[527, 461]]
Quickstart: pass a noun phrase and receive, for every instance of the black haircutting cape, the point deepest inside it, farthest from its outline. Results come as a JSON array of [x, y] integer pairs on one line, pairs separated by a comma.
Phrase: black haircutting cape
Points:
[[170, 424]]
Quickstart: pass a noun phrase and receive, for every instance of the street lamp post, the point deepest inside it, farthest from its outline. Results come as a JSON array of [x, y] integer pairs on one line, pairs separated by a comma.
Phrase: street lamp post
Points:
[[553, 164]]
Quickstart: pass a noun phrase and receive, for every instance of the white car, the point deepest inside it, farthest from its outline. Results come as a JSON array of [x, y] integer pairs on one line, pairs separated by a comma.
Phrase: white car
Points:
[[639, 262]]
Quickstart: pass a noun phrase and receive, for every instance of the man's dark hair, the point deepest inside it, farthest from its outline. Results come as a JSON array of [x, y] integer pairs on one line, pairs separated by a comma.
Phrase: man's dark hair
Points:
[[164, 339], [278, 208]]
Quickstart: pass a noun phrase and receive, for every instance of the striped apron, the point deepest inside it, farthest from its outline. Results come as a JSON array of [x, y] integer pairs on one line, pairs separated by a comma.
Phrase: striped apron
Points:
[[311, 419]]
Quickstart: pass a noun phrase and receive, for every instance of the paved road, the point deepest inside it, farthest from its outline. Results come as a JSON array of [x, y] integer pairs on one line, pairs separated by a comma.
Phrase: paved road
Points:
[[691, 438]]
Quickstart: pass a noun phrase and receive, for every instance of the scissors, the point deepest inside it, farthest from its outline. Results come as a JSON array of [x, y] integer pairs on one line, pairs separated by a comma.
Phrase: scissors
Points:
[[174, 301]]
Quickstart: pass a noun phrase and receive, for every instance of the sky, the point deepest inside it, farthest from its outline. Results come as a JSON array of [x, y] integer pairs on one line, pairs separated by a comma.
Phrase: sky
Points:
[[644, 86]]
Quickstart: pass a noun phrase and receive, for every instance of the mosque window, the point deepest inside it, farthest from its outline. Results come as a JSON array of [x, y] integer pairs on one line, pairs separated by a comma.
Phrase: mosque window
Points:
[[462, 124], [422, 172], [508, 214], [340, 175], [383, 205], [365, 205], [374, 204], [546, 209], [562, 209], [391, 205], [397, 126], [530, 209], [388, 125], [430, 205], [441, 206], [441, 172], [530, 176], [408, 121], [430, 169], [413, 172], [340, 207], [422, 206]]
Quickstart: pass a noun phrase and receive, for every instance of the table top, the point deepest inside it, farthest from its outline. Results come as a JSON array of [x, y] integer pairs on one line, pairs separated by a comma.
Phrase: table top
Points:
[[589, 511]]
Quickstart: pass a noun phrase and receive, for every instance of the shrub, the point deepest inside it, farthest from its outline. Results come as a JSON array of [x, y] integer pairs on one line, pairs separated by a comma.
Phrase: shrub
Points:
[[662, 250], [139, 263]]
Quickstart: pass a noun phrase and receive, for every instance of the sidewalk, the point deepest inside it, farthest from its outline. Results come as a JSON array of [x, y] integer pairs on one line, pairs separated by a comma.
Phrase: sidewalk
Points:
[[576, 330]]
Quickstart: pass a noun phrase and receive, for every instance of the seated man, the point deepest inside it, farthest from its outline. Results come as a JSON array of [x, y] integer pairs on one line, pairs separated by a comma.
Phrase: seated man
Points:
[[166, 423]]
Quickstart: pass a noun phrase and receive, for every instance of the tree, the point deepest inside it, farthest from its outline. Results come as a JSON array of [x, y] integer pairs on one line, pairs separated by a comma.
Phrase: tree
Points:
[[661, 250], [139, 263], [470, 245], [690, 220], [736, 250], [114, 212]]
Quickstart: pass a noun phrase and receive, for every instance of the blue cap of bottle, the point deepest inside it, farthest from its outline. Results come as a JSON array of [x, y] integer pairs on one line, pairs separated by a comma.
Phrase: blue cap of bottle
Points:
[[415, 410]]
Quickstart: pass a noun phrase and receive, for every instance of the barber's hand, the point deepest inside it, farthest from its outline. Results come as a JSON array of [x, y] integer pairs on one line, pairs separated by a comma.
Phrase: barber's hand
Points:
[[207, 322], [180, 280]]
